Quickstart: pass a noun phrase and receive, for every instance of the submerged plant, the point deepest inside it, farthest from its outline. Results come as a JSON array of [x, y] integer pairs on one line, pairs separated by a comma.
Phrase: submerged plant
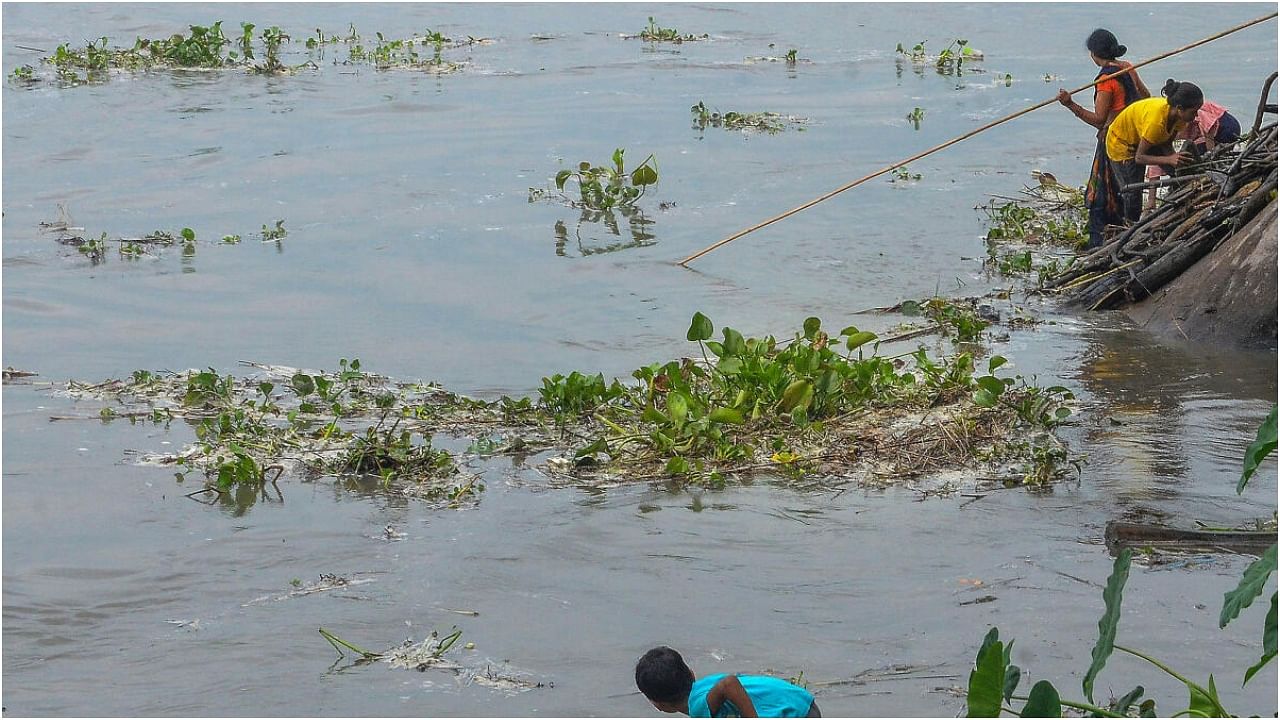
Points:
[[763, 121], [915, 117]]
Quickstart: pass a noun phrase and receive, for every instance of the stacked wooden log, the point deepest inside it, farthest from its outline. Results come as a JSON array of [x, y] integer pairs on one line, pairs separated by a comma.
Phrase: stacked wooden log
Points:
[[1205, 206]]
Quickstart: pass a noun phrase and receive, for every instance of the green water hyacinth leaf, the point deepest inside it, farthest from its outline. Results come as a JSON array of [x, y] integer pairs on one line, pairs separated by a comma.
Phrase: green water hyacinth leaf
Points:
[[992, 385], [1262, 446], [986, 680], [734, 344], [1111, 596], [811, 327], [1268, 643], [858, 339], [303, 384], [983, 398], [995, 362], [1043, 701], [190, 235], [700, 328], [797, 396], [644, 175], [562, 177], [678, 407], [726, 415], [1251, 585], [730, 366]]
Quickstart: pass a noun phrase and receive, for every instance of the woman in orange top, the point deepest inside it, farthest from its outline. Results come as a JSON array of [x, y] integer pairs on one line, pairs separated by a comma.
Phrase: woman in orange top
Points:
[[1102, 192]]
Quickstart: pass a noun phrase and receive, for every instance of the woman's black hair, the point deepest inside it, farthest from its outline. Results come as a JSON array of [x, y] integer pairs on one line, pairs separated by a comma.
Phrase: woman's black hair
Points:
[[662, 676], [1182, 94], [1103, 44]]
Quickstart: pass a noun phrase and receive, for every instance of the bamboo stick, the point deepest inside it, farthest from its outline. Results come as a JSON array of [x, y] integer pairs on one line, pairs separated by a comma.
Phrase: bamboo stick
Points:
[[685, 262]]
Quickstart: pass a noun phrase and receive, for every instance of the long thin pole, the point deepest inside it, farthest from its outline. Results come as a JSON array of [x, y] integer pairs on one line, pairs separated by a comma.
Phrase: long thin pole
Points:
[[685, 262]]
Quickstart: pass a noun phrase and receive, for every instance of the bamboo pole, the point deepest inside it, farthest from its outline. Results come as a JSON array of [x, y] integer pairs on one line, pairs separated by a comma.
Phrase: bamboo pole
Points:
[[685, 262]]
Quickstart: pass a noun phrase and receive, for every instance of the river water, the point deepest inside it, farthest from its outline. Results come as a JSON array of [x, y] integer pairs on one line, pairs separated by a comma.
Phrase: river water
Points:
[[413, 246]]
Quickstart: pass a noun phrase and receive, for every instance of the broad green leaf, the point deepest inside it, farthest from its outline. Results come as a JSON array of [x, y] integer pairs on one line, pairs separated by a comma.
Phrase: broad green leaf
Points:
[[1111, 596], [1251, 585], [303, 384], [584, 166], [189, 235], [700, 328], [677, 407], [561, 178], [859, 339], [995, 362], [653, 416], [677, 466], [1147, 709], [986, 680], [811, 327], [617, 159], [849, 330], [716, 348], [910, 308], [991, 384], [797, 395], [726, 415], [1268, 642], [1042, 701], [734, 344], [983, 398], [1258, 450], [730, 366], [644, 175]]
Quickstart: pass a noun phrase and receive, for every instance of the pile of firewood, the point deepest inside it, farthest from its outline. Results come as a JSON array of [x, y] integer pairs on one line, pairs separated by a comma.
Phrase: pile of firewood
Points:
[[1207, 204]]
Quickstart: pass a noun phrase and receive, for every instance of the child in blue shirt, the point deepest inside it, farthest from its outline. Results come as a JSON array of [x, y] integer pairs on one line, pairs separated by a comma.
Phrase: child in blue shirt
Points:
[[668, 683]]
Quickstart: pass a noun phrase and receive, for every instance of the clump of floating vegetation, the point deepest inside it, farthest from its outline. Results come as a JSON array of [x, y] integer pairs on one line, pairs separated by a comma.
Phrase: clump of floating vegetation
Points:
[[814, 406], [656, 33], [604, 187], [429, 654], [950, 61], [768, 122], [208, 47], [790, 58], [799, 407], [1025, 232], [349, 424], [153, 244]]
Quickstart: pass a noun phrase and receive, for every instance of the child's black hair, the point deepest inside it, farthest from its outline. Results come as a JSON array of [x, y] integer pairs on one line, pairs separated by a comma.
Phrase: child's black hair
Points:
[[663, 676], [1103, 43], [1182, 94]]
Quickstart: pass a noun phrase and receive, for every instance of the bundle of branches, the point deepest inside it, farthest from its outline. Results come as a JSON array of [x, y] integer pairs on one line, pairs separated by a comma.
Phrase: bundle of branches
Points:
[[1206, 205]]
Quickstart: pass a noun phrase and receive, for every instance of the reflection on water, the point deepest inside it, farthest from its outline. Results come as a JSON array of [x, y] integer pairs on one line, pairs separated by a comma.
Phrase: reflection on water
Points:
[[1169, 415], [637, 228]]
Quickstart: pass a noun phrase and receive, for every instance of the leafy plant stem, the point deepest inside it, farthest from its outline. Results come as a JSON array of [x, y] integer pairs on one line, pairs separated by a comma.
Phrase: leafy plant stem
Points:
[[1103, 712], [336, 641], [1221, 712]]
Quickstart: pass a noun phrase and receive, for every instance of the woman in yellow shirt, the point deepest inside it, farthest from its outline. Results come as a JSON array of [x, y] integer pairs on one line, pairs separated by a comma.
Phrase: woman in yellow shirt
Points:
[[1142, 134]]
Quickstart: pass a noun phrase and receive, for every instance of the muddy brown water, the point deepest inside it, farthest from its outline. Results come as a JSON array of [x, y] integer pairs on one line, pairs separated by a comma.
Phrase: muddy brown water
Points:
[[412, 246]]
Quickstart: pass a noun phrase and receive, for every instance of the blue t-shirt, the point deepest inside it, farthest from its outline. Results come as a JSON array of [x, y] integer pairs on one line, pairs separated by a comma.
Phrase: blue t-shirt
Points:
[[772, 697]]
